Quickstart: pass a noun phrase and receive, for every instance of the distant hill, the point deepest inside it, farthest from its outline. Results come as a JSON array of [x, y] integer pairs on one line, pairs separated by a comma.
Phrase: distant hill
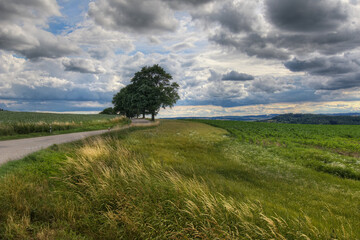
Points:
[[251, 118], [334, 119]]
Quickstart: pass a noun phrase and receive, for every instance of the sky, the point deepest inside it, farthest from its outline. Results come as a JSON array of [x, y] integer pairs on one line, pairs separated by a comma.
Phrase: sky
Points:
[[230, 57]]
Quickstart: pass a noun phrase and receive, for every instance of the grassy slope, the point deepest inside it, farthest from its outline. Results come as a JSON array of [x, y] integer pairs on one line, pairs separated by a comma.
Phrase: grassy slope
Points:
[[179, 180]]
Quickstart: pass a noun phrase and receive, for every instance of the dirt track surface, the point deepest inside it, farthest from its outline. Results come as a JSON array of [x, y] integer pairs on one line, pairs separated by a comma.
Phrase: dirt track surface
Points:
[[16, 149]]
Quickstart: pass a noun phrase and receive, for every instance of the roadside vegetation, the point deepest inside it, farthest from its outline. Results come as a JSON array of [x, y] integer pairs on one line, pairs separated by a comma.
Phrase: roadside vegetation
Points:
[[26, 124], [180, 180]]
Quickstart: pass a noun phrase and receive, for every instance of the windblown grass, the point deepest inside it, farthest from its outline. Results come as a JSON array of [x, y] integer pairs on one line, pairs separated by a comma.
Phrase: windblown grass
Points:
[[181, 180]]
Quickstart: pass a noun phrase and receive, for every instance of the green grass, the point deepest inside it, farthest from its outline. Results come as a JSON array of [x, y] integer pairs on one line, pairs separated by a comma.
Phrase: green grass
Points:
[[14, 125], [9, 117], [180, 180], [326, 148]]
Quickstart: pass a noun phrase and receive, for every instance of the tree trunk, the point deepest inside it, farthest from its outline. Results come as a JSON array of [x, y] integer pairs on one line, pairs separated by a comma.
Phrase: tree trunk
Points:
[[143, 114], [152, 116]]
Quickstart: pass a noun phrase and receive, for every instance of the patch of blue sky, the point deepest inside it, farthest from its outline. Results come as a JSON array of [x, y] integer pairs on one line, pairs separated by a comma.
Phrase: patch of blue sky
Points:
[[57, 26], [72, 12], [19, 56]]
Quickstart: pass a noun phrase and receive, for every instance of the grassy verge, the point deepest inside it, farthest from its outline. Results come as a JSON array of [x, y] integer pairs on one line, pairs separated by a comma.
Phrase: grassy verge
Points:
[[17, 130], [180, 180]]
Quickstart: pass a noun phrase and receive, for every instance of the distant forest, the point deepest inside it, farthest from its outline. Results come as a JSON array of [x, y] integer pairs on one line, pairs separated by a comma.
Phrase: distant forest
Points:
[[315, 119]]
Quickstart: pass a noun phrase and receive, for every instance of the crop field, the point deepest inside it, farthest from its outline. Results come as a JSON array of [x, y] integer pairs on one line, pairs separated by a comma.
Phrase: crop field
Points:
[[326, 148], [185, 180], [20, 123]]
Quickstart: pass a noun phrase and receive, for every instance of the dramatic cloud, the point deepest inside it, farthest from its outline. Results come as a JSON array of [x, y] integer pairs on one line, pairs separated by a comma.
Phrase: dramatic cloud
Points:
[[185, 3], [20, 31], [307, 15], [331, 73], [37, 10], [235, 16], [82, 66], [280, 29], [330, 66], [263, 55], [235, 76], [136, 16]]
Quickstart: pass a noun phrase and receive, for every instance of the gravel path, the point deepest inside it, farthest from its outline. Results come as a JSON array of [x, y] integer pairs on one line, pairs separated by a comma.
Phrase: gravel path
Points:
[[16, 149]]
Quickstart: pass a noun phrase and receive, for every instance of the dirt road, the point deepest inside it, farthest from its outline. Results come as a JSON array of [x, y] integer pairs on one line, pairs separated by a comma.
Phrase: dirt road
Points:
[[16, 149]]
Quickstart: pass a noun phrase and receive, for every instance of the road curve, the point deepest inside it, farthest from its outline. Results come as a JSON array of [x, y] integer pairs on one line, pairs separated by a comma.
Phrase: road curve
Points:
[[16, 149]]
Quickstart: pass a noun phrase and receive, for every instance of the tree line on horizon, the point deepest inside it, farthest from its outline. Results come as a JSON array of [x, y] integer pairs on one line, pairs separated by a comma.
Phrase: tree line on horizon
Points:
[[315, 119], [150, 89]]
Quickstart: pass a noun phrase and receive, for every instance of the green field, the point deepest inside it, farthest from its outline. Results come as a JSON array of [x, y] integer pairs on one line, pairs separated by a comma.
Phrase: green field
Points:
[[21, 124], [326, 148], [186, 180]]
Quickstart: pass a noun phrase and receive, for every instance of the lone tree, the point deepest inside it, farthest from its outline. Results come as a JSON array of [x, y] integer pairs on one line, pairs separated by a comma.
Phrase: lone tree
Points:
[[150, 90]]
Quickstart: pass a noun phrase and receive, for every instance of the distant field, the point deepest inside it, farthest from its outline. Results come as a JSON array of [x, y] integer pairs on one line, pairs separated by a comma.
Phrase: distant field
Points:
[[184, 180], [33, 117], [325, 148], [17, 124], [316, 119]]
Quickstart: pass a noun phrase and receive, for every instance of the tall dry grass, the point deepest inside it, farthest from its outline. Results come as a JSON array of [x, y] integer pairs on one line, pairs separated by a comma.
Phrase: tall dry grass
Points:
[[105, 190], [140, 200]]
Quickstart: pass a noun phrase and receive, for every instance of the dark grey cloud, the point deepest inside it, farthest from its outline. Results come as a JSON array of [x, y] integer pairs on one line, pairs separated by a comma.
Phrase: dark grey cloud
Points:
[[254, 98], [149, 16], [252, 44], [329, 73], [56, 106], [338, 82], [286, 28], [82, 66], [324, 66], [306, 15], [281, 45], [236, 76], [326, 43], [236, 17], [180, 4], [16, 38], [32, 9], [50, 50], [48, 93], [270, 85]]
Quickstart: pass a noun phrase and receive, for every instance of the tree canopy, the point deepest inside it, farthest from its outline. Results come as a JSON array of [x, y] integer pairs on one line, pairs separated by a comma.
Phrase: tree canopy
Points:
[[150, 89], [108, 111]]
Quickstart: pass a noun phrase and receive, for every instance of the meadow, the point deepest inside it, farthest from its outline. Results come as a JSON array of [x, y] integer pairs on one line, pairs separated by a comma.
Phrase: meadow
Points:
[[326, 148], [19, 124], [180, 180]]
